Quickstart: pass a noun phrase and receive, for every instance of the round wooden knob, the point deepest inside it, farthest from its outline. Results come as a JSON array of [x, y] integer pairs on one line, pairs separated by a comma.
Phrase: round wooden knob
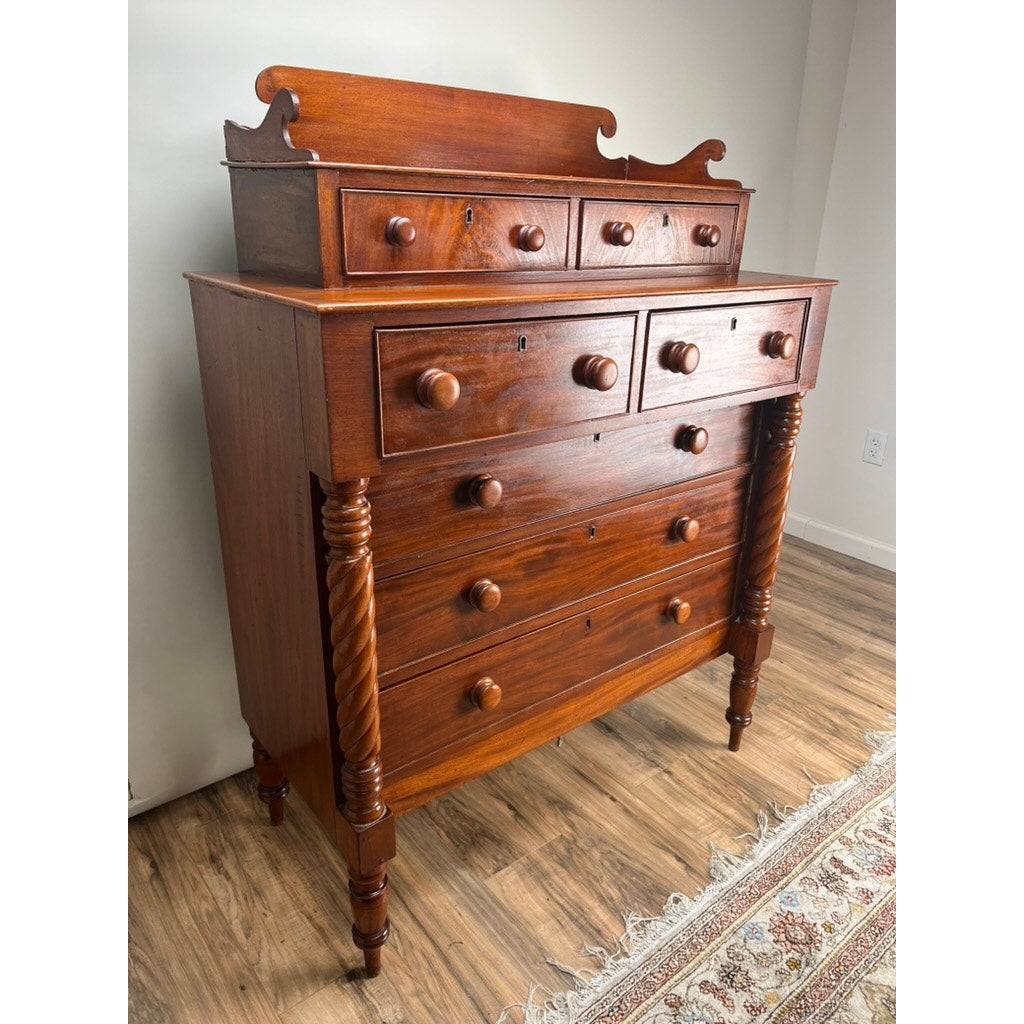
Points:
[[683, 357], [600, 373], [485, 595], [620, 232], [400, 231], [485, 490], [678, 610], [437, 389], [781, 346], [530, 238], [486, 694], [693, 439], [686, 528], [708, 235]]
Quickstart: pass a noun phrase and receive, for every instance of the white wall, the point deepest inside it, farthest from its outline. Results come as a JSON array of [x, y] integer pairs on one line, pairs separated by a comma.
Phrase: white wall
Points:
[[837, 499], [674, 73]]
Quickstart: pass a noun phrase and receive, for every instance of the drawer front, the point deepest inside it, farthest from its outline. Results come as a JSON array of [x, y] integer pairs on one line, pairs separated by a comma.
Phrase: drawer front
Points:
[[419, 232], [430, 610], [696, 353], [456, 501], [458, 700], [656, 235], [445, 385]]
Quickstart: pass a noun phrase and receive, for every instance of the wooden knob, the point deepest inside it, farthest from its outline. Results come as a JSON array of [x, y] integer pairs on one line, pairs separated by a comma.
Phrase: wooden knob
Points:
[[486, 694], [683, 357], [485, 595], [400, 231], [530, 238], [437, 389], [620, 232], [708, 235], [686, 528], [781, 346], [678, 610], [485, 490], [693, 439], [600, 373]]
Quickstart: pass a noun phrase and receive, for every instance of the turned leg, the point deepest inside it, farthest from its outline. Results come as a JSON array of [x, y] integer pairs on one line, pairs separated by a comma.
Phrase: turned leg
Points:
[[273, 786], [750, 636], [369, 833]]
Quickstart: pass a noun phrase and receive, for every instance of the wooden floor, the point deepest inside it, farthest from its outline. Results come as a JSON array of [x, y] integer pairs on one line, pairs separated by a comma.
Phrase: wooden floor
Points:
[[231, 920]]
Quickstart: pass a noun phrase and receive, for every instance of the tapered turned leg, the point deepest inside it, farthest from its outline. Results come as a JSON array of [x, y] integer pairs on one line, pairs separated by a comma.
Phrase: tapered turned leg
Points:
[[273, 786], [369, 832], [750, 636]]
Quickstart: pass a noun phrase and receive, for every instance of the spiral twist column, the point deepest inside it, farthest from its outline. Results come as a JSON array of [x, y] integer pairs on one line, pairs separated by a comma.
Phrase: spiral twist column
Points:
[[346, 522], [750, 636]]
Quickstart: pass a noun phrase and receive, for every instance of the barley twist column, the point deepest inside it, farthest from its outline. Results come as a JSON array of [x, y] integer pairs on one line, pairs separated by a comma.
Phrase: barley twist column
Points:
[[750, 637], [370, 843]]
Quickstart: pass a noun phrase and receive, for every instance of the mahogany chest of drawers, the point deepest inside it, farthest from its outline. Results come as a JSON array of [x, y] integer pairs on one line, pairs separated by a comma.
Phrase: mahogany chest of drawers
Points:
[[501, 438]]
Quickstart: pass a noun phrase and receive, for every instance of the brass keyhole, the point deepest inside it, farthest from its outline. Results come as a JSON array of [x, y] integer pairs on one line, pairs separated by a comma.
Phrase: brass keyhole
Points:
[[469, 215]]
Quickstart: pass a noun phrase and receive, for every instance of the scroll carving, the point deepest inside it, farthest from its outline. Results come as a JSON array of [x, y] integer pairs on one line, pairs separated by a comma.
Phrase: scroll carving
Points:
[[350, 602], [751, 634], [692, 169], [359, 119], [271, 141]]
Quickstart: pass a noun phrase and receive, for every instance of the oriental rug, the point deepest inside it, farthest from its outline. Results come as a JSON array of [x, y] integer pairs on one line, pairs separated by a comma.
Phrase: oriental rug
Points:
[[802, 928]]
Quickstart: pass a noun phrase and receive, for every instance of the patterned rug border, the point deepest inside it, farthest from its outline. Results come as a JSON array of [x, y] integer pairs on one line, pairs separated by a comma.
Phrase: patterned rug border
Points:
[[641, 934]]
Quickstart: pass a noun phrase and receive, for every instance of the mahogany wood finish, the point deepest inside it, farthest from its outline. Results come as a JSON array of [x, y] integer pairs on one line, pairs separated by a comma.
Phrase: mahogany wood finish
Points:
[[572, 415], [419, 511], [436, 709], [649, 235], [401, 233], [351, 607], [497, 373], [486, 694], [273, 786], [741, 348], [439, 607], [694, 439], [485, 491], [438, 390], [750, 639]]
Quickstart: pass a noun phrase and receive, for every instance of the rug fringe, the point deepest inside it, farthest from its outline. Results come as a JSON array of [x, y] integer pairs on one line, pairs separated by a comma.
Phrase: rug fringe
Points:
[[641, 934]]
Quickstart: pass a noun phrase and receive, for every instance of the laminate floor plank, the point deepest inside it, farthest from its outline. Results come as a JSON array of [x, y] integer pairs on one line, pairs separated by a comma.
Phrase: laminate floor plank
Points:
[[184, 965], [283, 890], [537, 859]]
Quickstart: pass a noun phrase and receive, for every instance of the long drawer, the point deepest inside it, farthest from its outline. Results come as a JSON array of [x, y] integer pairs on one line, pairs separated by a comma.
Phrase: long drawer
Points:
[[433, 609], [480, 692], [696, 353], [446, 385], [454, 501]]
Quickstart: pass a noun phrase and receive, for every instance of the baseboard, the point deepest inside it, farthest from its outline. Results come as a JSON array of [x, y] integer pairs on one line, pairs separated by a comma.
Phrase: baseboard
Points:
[[846, 543], [224, 768]]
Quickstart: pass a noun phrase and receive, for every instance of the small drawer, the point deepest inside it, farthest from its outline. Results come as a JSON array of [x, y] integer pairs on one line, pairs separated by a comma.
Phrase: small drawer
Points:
[[698, 353], [481, 692], [477, 594], [656, 235], [459, 500], [446, 385], [421, 232]]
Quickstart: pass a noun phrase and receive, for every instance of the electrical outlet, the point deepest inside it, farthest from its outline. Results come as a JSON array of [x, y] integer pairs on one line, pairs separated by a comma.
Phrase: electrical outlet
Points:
[[874, 447]]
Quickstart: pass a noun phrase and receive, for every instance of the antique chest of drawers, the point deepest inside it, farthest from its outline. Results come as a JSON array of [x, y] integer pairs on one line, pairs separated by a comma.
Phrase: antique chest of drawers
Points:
[[501, 438]]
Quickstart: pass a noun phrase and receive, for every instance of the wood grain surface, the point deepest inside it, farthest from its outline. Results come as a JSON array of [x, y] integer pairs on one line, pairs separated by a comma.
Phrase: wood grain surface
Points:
[[231, 920]]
